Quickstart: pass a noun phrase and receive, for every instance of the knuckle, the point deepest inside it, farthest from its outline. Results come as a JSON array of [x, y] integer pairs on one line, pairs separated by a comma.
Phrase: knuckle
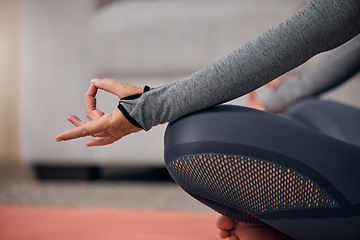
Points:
[[84, 132]]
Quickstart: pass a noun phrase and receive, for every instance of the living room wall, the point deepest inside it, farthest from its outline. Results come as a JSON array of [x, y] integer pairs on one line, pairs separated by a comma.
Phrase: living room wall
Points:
[[9, 140]]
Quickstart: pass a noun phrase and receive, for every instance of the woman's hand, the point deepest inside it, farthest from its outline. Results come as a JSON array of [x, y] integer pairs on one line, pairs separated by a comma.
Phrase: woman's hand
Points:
[[252, 99], [106, 128]]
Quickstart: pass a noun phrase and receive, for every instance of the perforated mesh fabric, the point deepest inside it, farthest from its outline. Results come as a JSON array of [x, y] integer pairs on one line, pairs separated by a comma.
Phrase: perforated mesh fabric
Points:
[[251, 186]]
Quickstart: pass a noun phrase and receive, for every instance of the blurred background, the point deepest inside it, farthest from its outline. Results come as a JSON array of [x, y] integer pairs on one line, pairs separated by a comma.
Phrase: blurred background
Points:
[[49, 51]]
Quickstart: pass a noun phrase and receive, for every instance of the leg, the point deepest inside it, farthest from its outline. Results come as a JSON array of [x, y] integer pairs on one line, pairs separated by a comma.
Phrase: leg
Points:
[[258, 167], [330, 118]]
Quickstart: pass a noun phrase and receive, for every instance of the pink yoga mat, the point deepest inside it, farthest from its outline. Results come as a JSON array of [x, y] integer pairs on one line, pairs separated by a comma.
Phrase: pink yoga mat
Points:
[[76, 223]]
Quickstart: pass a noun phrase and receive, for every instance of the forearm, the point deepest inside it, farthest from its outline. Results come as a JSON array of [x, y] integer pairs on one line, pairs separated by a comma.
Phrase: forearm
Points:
[[319, 26], [335, 68]]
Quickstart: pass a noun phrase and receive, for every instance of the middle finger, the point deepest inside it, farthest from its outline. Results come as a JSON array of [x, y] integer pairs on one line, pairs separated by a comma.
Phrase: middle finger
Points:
[[85, 129], [75, 120]]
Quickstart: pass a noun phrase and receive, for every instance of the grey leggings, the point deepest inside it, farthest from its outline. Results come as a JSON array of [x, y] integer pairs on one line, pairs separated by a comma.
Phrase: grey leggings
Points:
[[298, 173]]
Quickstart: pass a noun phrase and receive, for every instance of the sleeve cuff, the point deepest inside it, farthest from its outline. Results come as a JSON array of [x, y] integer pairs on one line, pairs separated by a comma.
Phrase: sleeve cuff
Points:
[[126, 113]]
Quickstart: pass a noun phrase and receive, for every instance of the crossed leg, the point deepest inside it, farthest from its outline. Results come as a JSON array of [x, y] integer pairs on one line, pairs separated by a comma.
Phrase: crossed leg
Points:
[[257, 167]]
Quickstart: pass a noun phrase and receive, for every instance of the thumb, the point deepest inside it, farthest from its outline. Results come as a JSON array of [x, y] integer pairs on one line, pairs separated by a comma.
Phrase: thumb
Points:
[[116, 87]]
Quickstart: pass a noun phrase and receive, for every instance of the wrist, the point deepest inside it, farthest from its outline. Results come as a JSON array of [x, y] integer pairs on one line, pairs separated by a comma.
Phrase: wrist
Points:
[[126, 113]]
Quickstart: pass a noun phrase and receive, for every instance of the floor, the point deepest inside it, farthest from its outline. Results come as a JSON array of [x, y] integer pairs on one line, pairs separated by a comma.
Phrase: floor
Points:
[[74, 223], [107, 210], [18, 186]]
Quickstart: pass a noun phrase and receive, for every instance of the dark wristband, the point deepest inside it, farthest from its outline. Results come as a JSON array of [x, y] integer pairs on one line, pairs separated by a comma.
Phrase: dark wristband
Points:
[[126, 113]]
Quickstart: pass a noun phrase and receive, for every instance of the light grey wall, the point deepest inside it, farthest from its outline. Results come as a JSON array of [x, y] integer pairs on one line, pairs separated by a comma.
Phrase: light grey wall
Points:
[[53, 76]]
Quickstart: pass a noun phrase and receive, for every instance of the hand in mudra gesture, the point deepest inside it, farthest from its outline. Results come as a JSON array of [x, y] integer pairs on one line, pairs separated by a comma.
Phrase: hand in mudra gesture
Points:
[[106, 128]]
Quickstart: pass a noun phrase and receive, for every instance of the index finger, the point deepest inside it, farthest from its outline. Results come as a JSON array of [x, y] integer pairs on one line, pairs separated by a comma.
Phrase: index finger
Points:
[[90, 103], [86, 129]]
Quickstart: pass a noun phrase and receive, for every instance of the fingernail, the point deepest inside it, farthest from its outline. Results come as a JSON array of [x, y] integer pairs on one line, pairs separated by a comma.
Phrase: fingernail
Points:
[[95, 80]]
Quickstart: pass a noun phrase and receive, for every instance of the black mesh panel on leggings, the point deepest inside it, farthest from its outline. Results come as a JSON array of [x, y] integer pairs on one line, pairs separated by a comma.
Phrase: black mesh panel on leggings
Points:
[[249, 186]]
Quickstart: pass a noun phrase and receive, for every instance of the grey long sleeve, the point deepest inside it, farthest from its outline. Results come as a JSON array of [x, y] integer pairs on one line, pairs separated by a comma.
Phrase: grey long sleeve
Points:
[[335, 68], [319, 26]]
